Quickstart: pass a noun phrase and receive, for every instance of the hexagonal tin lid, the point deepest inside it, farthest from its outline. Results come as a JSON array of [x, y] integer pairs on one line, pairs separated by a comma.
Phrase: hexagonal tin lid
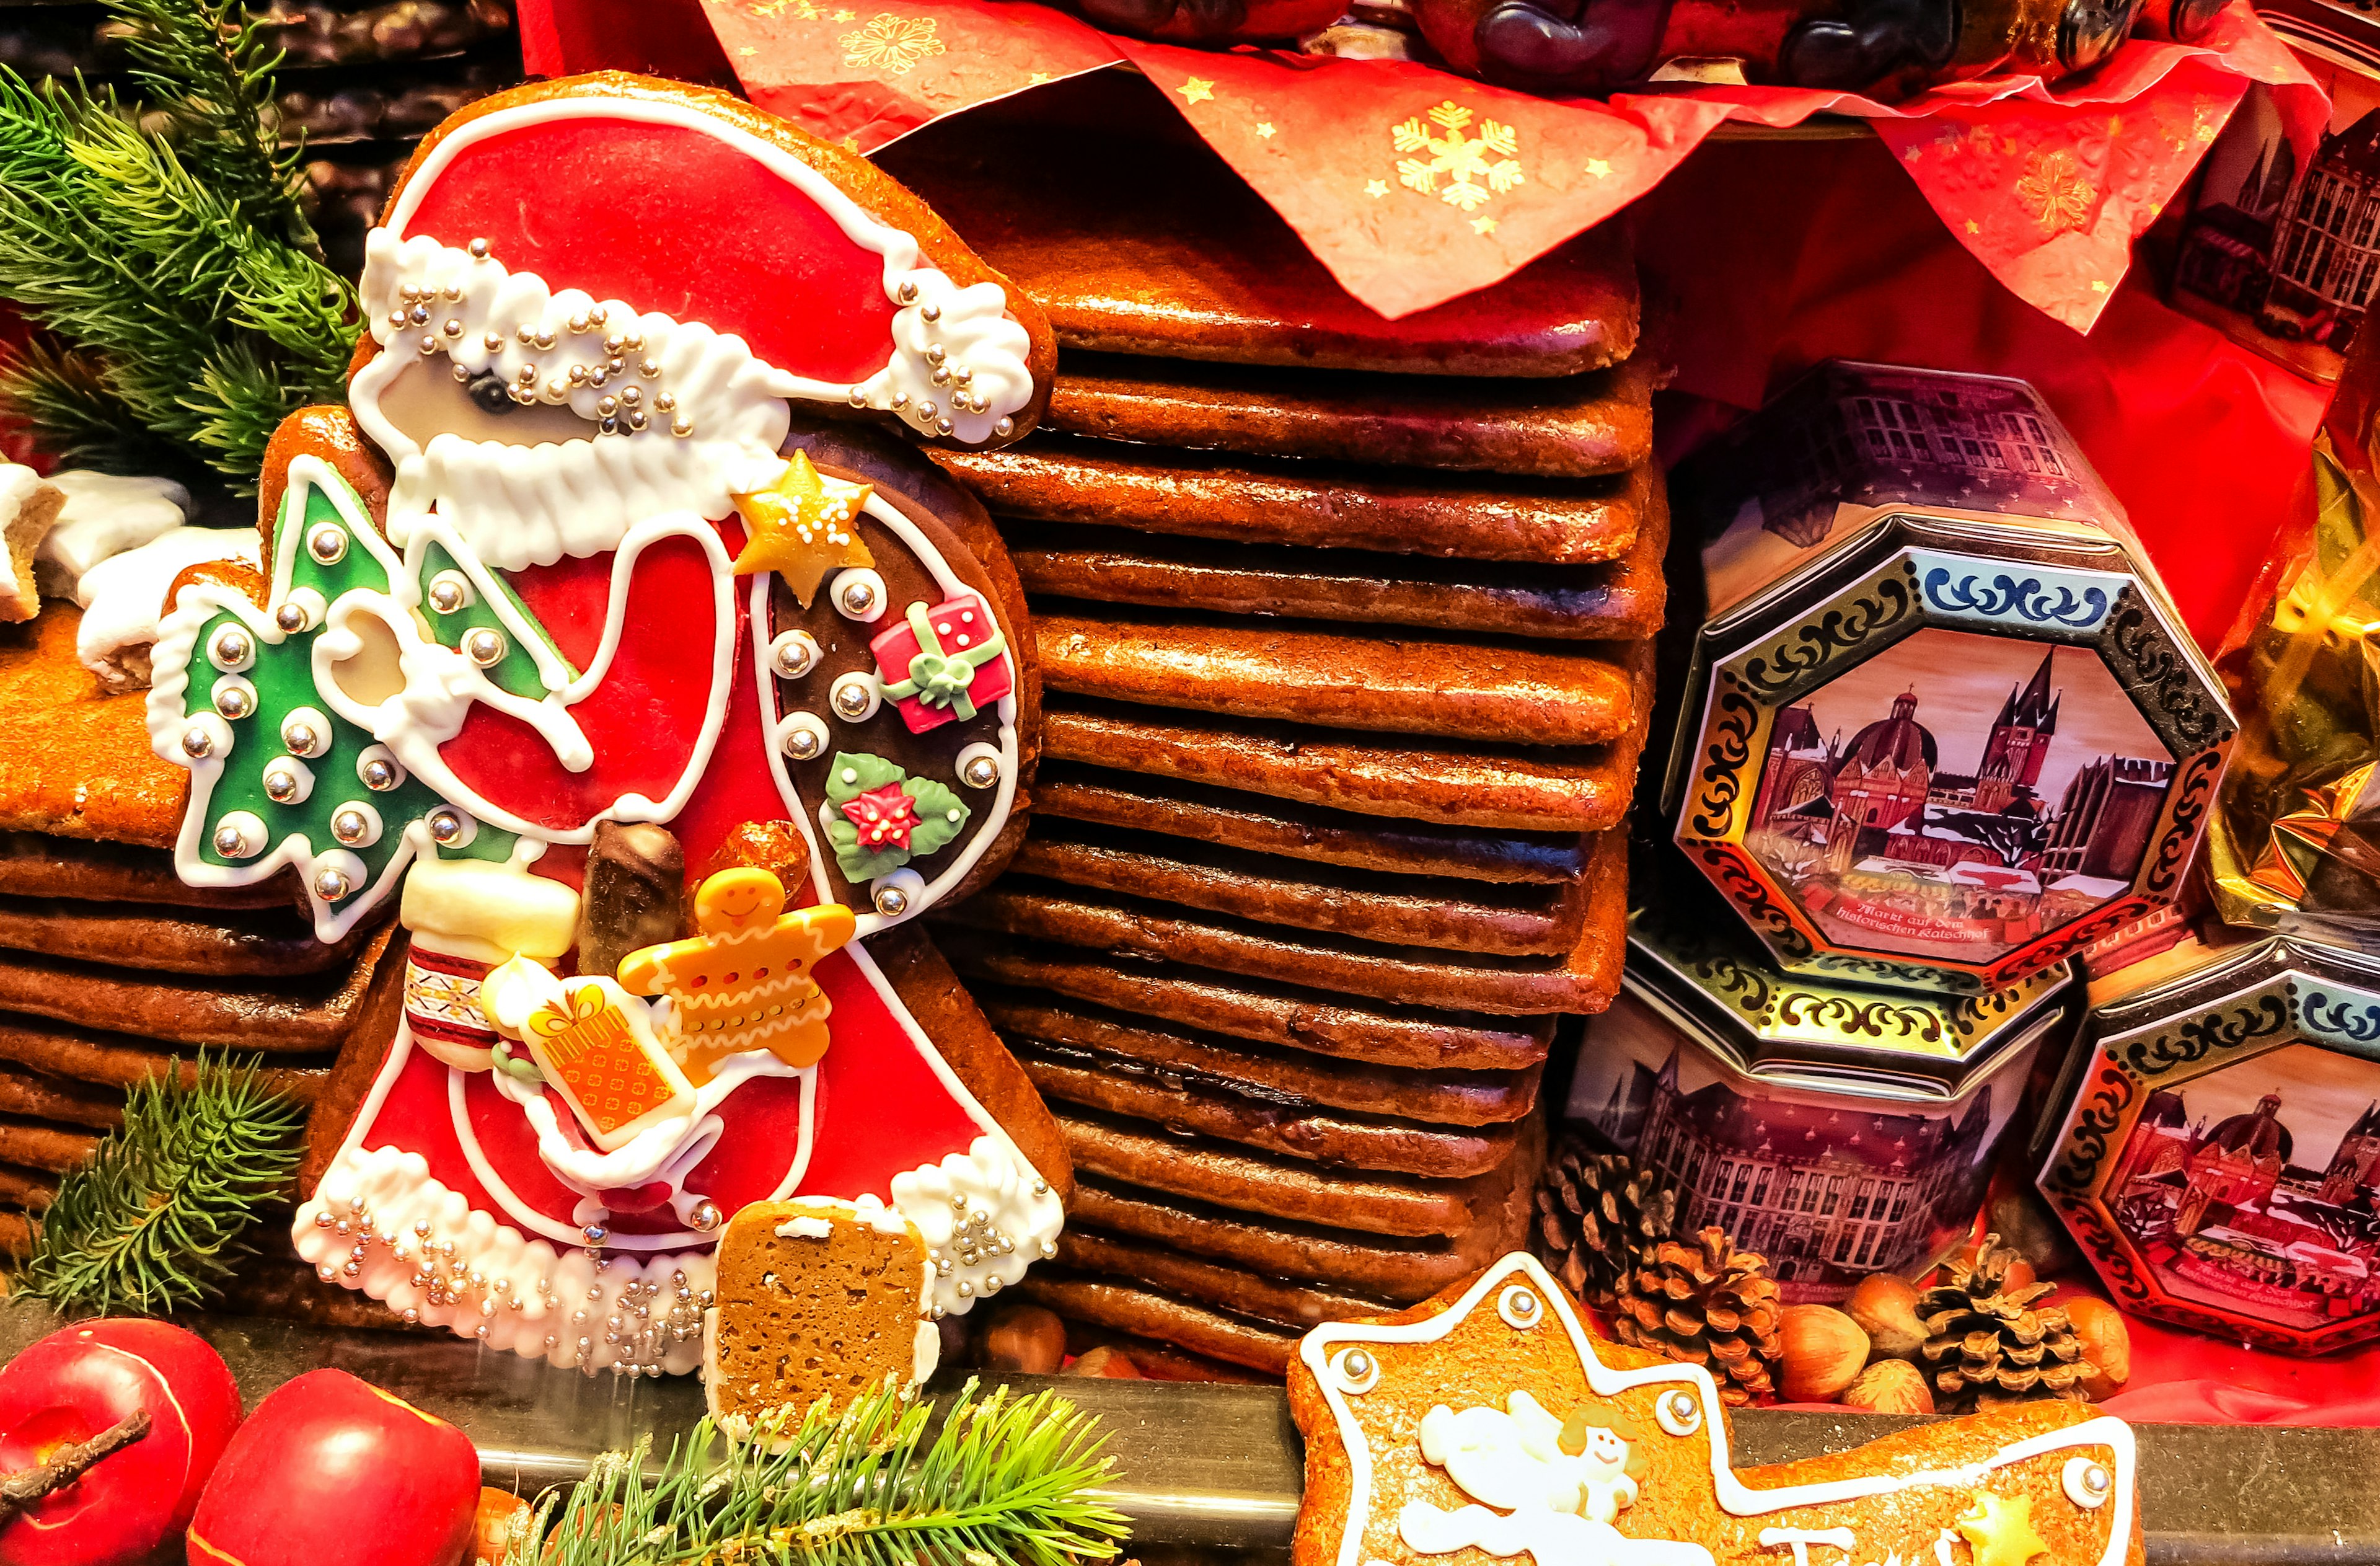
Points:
[[1949, 750], [1704, 975], [2218, 1155]]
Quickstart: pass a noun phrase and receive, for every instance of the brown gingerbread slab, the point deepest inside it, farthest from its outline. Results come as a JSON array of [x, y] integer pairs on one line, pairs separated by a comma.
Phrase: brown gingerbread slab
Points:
[[1496, 787], [1143, 1313], [1437, 912], [75, 761], [1208, 1169], [1113, 235], [1253, 500], [1214, 1284], [37, 1145], [116, 1061], [277, 1016], [1403, 1270], [58, 1102], [28, 1190], [1231, 818], [1479, 690], [1615, 600], [1206, 1107], [1169, 1055], [229, 944], [40, 865], [1578, 427], [1341, 1027], [1580, 980]]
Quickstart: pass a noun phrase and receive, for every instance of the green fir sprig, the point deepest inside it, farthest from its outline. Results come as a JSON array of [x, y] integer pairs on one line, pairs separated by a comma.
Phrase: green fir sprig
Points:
[[998, 1482], [153, 1223], [192, 306]]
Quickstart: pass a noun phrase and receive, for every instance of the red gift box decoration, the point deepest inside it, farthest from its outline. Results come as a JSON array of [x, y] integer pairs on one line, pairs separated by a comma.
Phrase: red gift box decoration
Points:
[[943, 664]]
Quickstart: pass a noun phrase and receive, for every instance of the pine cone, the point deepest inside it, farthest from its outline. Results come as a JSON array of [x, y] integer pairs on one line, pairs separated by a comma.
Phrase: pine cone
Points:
[[1598, 1216], [1707, 1303], [1984, 1342]]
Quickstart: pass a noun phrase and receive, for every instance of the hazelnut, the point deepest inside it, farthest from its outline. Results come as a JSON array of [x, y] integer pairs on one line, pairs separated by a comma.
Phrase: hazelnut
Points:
[[1104, 1363], [1024, 1339], [1885, 1305], [1890, 1386], [1825, 1351], [2106, 1343]]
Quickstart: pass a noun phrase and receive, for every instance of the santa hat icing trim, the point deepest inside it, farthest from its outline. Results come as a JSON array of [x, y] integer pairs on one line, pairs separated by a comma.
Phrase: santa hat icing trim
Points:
[[678, 407]]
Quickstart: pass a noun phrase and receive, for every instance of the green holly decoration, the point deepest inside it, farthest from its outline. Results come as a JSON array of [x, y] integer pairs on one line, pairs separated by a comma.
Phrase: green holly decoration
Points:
[[277, 777], [900, 817]]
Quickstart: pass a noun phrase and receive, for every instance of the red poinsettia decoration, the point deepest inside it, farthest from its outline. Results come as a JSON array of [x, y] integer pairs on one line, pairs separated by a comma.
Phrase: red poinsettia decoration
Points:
[[884, 816]]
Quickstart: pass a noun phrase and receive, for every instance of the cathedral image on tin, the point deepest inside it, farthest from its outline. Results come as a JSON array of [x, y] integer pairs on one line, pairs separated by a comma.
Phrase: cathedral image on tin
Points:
[[1958, 796], [2253, 1187]]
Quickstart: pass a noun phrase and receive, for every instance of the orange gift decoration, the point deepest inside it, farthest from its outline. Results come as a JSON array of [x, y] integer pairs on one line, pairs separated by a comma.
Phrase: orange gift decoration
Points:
[[616, 1079], [744, 983]]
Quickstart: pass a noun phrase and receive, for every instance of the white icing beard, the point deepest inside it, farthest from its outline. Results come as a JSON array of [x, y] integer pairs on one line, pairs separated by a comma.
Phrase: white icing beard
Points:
[[519, 505], [379, 1224], [690, 411]]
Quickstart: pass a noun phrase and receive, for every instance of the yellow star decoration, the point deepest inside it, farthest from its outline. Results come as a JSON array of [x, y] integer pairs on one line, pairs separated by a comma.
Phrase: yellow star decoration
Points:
[[1482, 226], [1597, 168], [1974, 227], [744, 983], [1265, 130], [1377, 188], [1999, 1530], [801, 528], [1037, 78], [1196, 91]]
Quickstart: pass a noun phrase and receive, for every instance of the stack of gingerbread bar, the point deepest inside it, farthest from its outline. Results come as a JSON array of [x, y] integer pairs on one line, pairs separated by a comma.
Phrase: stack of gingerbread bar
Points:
[[111, 970], [1344, 630]]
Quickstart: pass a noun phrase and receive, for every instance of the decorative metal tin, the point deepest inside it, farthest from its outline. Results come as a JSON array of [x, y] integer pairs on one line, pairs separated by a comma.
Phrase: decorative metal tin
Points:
[[1835, 1131], [1944, 727], [2219, 1157]]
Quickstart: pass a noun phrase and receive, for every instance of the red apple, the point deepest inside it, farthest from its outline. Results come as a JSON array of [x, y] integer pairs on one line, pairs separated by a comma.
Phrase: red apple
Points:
[[331, 1471], [81, 1381]]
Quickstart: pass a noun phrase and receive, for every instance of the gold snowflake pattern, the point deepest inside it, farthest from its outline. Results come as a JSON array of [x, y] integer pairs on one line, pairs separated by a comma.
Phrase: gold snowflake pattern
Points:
[[2055, 190], [891, 44], [1475, 167]]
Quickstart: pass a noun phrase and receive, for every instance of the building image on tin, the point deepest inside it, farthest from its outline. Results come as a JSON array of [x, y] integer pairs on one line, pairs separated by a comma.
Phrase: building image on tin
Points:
[[2326, 246], [1828, 1194], [2258, 1187], [1876, 833]]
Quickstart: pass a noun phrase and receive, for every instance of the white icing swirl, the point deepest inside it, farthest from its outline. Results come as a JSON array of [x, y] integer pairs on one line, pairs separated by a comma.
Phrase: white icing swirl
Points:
[[986, 1217], [378, 1223]]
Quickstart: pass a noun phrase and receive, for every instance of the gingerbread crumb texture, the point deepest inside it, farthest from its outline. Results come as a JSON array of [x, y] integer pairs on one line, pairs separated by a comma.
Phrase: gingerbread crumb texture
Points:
[[815, 1300]]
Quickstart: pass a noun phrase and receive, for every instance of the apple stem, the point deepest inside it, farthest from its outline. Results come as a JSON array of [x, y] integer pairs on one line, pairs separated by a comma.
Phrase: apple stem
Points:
[[21, 1489]]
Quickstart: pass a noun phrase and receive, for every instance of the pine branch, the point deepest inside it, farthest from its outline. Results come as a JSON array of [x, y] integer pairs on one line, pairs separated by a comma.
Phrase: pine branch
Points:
[[999, 1482], [154, 1221], [62, 395], [206, 67], [183, 274]]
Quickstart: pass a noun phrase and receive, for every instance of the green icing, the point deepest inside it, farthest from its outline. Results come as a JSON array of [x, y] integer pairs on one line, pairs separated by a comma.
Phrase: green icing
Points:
[[283, 678], [855, 773], [515, 672]]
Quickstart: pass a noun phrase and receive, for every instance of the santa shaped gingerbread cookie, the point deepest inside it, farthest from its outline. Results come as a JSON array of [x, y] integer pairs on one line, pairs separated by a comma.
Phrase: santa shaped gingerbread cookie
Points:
[[1488, 1424], [600, 635]]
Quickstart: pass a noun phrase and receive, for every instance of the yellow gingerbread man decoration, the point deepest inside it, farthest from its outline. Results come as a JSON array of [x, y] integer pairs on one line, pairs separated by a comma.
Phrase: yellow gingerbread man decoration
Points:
[[744, 983]]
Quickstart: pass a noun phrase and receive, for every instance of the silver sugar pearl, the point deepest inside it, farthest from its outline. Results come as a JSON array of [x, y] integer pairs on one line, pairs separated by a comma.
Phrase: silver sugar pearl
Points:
[[332, 884]]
